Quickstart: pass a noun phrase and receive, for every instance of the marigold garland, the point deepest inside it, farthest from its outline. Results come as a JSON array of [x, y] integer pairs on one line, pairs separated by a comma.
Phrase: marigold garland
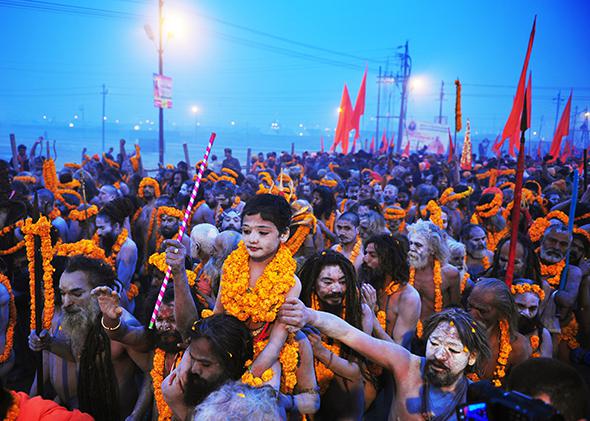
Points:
[[294, 243], [157, 374], [83, 214], [158, 260], [488, 210], [133, 291], [449, 195], [288, 358], [110, 162], [13, 249], [535, 343], [464, 282], [382, 319], [6, 230], [356, 249], [70, 185], [260, 303], [524, 288], [135, 158], [41, 228], [584, 216], [503, 356], [540, 225], [323, 374], [72, 165], [435, 213], [50, 175], [11, 320], [485, 262], [27, 179], [437, 279], [55, 213], [493, 238], [553, 272], [83, 247], [112, 258], [148, 181], [569, 333]]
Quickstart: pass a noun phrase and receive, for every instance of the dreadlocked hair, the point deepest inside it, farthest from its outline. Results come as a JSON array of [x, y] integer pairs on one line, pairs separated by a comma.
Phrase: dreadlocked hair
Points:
[[98, 391], [471, 332], [328, 204], [532, 268], [392, 251], [117, 210], [309, 274]]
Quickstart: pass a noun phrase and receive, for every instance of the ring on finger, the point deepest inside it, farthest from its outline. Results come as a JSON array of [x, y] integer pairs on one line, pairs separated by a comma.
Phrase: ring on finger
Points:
[[175, 250]]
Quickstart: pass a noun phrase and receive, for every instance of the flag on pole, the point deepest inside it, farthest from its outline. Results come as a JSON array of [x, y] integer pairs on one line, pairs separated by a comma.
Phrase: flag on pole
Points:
[[359, 107], [567, 151], [406, 152], [497, 147], [392, 141], [372, 147], [451, 148], [512, 126], [384, 143], [563, 129], [466, 154], [343, 126]]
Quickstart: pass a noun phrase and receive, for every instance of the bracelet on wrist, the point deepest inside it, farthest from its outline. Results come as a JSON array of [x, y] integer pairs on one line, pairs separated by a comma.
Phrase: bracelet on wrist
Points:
[[110, 328]]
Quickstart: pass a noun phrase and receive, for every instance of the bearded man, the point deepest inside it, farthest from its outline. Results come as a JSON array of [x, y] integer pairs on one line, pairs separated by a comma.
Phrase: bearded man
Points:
[[390, 192], [231, 221], [528, 298], [329, 284], [492, 304], [437, 282], [479, 258], [352, 196], [558, 312], [225, 196], [349, 240], [104, 386], [432, 385]]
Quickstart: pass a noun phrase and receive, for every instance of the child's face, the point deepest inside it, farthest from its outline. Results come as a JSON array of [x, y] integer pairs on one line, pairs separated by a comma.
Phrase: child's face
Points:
[[261, 237]]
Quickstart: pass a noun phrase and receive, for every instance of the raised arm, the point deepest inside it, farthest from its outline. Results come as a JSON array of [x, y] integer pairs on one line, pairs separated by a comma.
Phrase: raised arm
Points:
[[389, 355]]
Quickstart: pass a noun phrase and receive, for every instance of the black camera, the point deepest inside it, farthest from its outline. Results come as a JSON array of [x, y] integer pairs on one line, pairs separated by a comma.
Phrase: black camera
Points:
[[486, 402]]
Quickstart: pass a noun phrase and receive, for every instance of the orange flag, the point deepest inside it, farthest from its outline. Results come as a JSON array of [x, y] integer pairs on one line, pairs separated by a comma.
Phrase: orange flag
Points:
[[344, 118], [359, 107], [563, 129]]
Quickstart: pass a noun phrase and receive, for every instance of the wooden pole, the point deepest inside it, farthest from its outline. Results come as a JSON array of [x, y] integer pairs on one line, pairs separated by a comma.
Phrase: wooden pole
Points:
[[186, 157], [292, 149], [14, 152]]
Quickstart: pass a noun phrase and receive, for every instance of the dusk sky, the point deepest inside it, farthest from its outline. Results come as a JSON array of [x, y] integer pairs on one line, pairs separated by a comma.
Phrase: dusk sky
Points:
[[254, 62]]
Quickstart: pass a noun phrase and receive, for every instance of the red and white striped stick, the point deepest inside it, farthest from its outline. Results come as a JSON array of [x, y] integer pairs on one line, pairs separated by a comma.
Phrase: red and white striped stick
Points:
[[182, 228]]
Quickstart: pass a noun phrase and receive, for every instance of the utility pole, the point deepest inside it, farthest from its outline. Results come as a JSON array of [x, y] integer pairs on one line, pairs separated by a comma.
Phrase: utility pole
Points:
[[406, 67], [161, 72], [378, 104], [573, 126], [104, 102], [442, 94], [558, 99]]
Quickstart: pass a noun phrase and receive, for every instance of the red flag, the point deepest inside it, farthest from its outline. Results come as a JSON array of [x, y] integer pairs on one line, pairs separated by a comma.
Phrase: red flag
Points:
[[512, 125], [383, 147], [322, 144], [563, 129], [497, 147], [343, 126], [567, 152], [406, 152], [372, 147], [359, 107], [451, 148], [514, 139], [391, 142], [529, 96]]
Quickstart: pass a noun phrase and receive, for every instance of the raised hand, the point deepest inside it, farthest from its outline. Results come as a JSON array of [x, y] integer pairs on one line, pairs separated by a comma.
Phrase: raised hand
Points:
[[39, 342], [369, 296], [108, 301], [294, 314], [175, 255]]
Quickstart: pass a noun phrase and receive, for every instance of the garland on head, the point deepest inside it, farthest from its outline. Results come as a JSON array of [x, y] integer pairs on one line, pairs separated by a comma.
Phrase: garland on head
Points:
[[11, 320], [27, 179], [148, 181], [524, 288], [170, 211], [449, 195], [261, 302], [41, 228], [158, 260], [135, 158], [540, 225], [393, 214], [83, 247], [294, 243], [83, 214], [488, 210], [435, 213], [493, 175], [355, 250]]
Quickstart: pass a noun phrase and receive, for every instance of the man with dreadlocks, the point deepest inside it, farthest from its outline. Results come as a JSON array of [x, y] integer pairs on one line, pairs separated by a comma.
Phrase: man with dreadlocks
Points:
[[429, 387], [492, 304], [329, 284], [105, 382], [118, 246]]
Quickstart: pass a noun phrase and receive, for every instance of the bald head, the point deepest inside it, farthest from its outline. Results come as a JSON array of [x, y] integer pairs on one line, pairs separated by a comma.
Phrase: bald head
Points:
[[225, 243], [202, 241]]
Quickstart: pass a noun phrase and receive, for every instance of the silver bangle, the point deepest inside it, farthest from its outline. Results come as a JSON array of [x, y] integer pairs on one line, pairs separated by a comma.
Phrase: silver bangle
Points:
[[110, 328]]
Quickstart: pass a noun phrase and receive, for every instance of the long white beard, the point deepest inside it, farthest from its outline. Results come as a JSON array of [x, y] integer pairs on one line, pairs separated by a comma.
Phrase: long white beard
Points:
[[77, 325], [417, 261]]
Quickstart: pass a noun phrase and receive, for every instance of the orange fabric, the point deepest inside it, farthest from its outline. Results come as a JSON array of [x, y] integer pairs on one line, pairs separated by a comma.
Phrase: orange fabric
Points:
[[36, 408]]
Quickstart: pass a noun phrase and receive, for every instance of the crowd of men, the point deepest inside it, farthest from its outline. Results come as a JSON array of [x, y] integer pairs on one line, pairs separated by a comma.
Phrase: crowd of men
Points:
[[316, 286]]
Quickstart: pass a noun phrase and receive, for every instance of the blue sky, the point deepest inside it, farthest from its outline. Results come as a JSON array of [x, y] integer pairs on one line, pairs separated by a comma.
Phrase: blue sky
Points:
[[54, 63]]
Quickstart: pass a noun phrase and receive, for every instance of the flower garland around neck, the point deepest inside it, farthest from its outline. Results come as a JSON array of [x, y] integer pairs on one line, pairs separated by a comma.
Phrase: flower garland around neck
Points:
[[55, 213], [41, 228], [83, 214], [569, 334], [11, 320], [157, 374], [14, 409], [553, 272], [13, 249], [136, 215], [294, 243], [355, 250], [330, 221], [535, 343], [464, 282], [435, 213], [6, 230], [261, 302], [288, 358], [391, 288], [112, 259], [438, 299], [503, 355]]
